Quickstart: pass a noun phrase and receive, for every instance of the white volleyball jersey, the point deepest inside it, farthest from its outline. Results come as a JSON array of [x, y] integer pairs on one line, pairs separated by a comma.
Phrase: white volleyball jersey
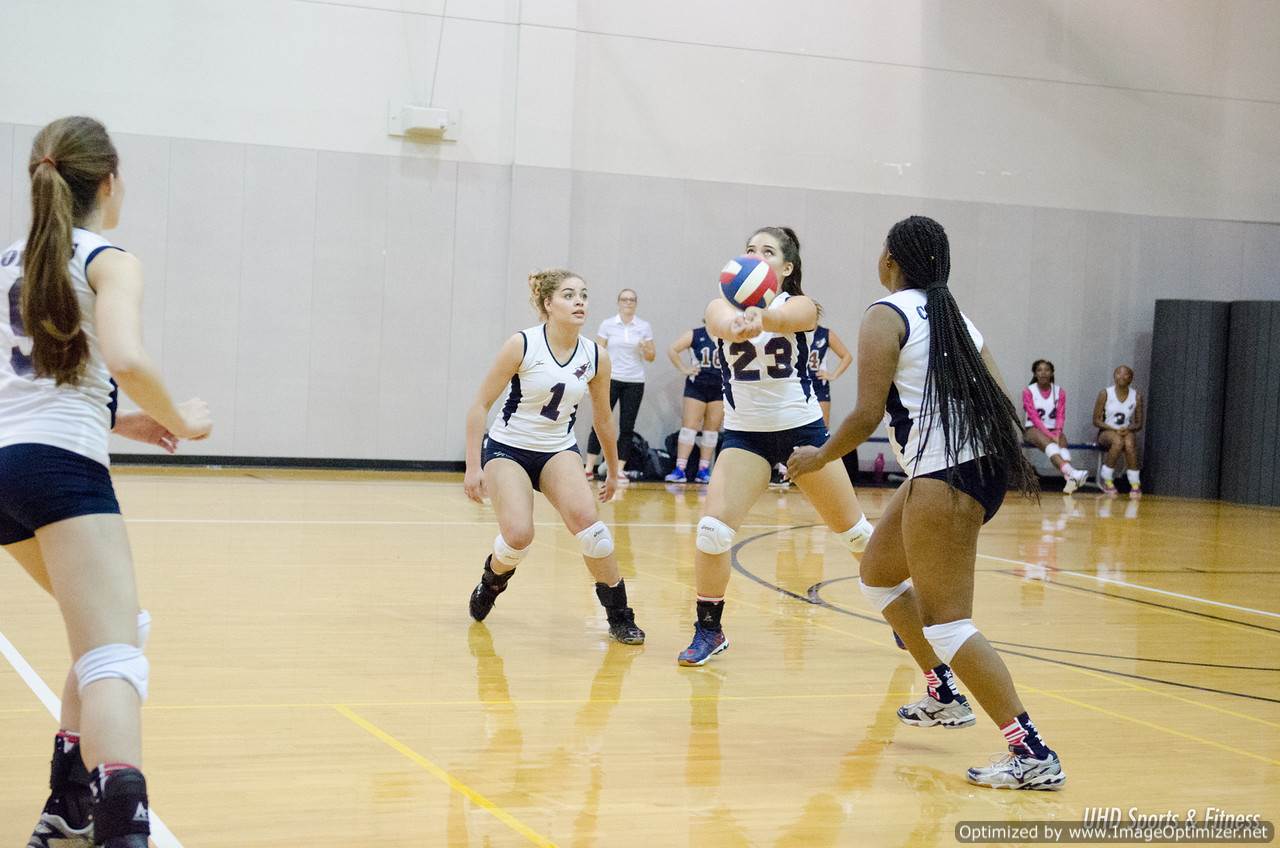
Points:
[[76, 418], [1120, 412], [1046, 406], [767, 382], [541, 404], [903, 416]]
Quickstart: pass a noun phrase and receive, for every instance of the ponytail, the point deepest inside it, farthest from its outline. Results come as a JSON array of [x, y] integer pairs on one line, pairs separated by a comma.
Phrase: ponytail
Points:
[[69, 160], [960, 394]]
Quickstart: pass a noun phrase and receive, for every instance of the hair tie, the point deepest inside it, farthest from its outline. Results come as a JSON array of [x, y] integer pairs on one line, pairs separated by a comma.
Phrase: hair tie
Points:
[[52, 163]]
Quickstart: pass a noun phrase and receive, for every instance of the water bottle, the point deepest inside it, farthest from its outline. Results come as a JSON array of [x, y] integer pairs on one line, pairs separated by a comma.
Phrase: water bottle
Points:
[[877, 468]]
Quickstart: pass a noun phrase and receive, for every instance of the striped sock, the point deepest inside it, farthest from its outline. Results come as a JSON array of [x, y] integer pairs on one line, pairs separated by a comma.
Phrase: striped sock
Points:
[[941, 683], [1022, 737]]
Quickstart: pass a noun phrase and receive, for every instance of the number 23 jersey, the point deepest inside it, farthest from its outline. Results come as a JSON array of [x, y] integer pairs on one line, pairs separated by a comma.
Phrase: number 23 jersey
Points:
[[767, 382], [541, 403]]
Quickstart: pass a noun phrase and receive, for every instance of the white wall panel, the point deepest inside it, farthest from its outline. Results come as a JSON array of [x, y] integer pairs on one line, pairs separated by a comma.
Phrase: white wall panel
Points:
[[202, 280], [347, 305], [274, 338], [416, 333]]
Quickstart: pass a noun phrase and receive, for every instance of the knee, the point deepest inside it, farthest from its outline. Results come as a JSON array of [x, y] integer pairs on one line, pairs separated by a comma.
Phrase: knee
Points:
[[114, 662], [714, 536], [948, 638], [596, 541], [518, 537]]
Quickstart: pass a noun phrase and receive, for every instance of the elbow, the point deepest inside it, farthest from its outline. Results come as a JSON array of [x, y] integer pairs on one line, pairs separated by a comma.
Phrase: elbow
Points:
[[126, 367]]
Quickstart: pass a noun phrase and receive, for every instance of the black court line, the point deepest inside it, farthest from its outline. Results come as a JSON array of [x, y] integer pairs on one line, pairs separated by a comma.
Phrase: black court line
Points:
[[814, 599]]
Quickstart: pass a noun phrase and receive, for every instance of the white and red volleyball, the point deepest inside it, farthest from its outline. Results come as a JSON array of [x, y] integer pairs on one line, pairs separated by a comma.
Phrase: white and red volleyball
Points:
[[748, 281]]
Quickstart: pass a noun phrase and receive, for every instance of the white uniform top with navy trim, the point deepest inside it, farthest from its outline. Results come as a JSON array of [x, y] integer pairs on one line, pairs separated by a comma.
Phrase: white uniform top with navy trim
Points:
[[767, 383], [76, 418], [1046, 406], [541, 404], [1120, 412], [906, 394], [818, 348]]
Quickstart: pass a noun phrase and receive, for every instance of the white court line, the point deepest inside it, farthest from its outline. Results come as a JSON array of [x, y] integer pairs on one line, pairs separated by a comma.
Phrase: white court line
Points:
[[1196, 598], [160, 834]]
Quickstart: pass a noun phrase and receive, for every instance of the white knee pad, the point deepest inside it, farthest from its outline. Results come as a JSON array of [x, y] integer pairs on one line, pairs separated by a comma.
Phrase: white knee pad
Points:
[[119, 662], [687, 436], [1051, 450], [506, 554], [707, 444], [881, 596], [596, 541], [144, 629], [714, 536], [857, 536], [947, 639]]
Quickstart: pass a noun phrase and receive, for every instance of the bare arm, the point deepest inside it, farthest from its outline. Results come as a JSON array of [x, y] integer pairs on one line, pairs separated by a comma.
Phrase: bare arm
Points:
[[1139, 418], [879, 341], [798, 314], [723, 321], [504, 368], [602, 420], [1100, 411], [838, 347], [679, 346], [116, 276]]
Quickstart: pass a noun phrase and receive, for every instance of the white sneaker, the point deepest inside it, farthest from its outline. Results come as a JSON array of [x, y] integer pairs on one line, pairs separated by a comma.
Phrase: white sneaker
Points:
[[1018, 771], [930, 712], [1075, 481]]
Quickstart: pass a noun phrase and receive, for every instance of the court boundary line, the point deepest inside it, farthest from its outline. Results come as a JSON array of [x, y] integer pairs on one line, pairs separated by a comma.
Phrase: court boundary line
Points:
[[160, 833], [736, 566], [444, 777], [1193, 598]]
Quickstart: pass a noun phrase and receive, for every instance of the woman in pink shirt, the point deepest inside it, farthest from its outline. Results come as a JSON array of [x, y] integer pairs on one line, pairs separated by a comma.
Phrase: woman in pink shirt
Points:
[[1045, 410]]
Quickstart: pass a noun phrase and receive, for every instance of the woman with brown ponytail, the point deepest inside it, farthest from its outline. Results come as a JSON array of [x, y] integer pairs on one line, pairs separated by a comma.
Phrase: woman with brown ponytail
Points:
[[924, 369], [70, 330]]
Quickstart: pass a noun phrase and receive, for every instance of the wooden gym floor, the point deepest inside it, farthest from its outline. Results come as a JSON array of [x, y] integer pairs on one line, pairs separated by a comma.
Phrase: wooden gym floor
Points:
[[316, 679]]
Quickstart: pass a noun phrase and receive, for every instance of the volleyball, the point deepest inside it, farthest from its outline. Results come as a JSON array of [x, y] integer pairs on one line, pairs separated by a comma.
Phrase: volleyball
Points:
[[748, 281]]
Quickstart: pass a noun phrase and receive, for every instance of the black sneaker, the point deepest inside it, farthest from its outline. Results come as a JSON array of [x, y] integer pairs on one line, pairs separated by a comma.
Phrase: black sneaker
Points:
[[486, 592], [121, 817], [622, 626], [65, 821]]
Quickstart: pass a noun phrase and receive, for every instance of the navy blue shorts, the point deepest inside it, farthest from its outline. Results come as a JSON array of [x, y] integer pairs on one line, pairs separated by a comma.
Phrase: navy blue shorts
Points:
[[822, 390], [530, 460], [986, 485], [704, 390], [776, 446], [41, 484]]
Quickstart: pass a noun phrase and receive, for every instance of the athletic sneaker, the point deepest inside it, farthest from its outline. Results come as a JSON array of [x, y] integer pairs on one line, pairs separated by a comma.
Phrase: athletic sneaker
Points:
[[930, 712], [705, 645], [676, 476], [1019, 770], [58, 828], [1108, 487], [622, 626], [703, 476], [778, 479], [1135, 491], [1075, 481], [484, 595]]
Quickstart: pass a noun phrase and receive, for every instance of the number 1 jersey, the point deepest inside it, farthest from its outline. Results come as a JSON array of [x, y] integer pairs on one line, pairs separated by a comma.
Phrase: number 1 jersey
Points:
[[767, 382], [541, 403]]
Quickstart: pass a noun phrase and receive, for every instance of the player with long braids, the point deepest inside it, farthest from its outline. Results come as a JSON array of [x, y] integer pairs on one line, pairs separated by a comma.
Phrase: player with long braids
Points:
[[924, 368]]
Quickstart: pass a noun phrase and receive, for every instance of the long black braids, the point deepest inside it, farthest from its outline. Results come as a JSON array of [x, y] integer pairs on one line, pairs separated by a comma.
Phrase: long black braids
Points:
[[959, 392]]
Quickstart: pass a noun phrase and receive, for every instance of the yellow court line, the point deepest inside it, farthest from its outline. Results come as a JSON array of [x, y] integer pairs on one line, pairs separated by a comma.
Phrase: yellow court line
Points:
[[449, 780], [1154, 726]]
